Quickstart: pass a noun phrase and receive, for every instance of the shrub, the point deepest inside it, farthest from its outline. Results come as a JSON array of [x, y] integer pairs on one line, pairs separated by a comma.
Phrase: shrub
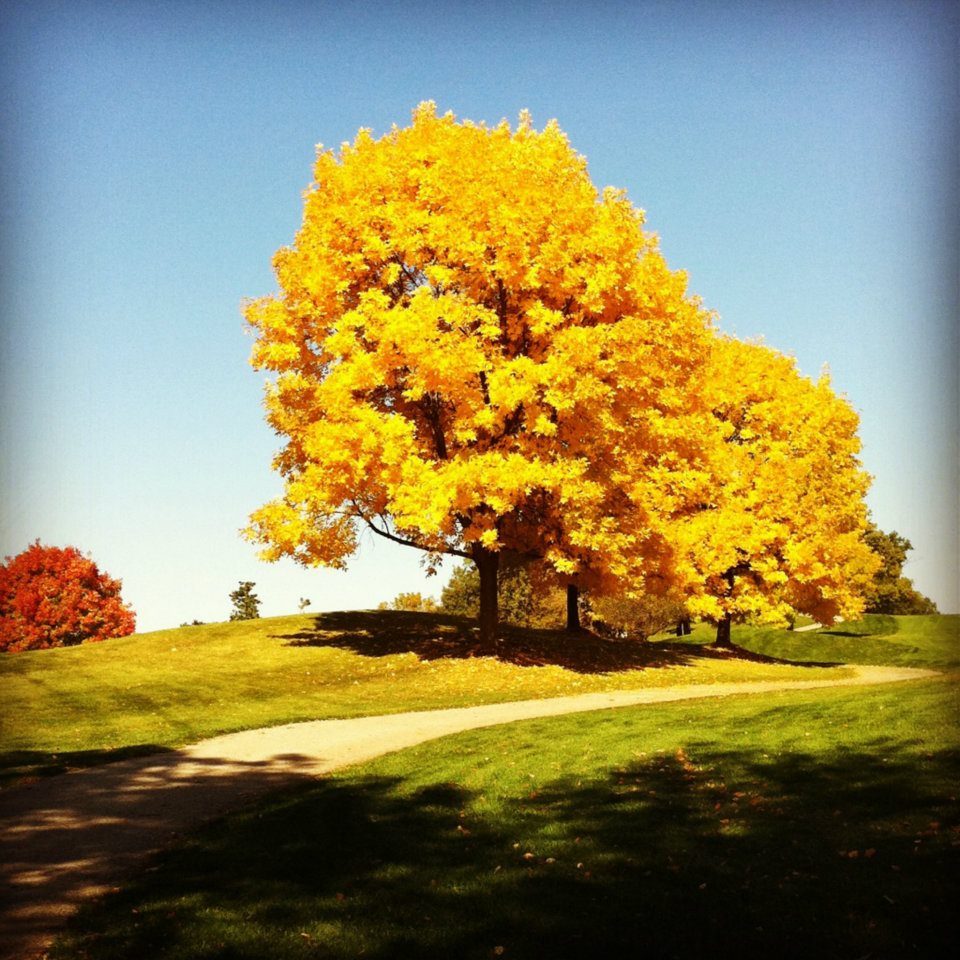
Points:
[[57, 597], [411, 601], [640, 617]]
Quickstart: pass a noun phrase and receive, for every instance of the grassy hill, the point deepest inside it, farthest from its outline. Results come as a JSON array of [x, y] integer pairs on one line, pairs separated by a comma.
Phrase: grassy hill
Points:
[[793, 824], [916, 641], [84, 705]]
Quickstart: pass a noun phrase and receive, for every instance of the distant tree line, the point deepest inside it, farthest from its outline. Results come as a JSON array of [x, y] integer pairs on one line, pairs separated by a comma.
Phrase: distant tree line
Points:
[[891, 592]]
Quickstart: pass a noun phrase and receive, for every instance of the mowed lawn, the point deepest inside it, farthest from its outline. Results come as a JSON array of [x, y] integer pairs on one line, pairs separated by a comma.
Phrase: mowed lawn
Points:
[[795, 824], [74, 707]]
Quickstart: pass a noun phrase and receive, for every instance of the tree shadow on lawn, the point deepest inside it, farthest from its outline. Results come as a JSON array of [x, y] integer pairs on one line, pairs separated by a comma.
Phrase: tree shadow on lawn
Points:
[[788, 856], [433, 636]]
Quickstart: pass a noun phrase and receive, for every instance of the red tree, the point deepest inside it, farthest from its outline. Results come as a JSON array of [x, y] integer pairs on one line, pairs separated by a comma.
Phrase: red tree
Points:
[[57, 597]]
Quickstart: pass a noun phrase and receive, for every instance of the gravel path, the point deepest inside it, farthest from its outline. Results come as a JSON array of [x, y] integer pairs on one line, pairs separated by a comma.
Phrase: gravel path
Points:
[[67, 839]]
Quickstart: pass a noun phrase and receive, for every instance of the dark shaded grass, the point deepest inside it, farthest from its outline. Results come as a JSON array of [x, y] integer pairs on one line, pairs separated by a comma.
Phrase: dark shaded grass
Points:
[[433, 636], [798, 825]]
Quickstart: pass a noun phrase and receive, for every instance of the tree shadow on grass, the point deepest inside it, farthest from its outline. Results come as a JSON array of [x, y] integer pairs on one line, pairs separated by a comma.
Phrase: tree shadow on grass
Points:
[[433, 636], [666, 857]]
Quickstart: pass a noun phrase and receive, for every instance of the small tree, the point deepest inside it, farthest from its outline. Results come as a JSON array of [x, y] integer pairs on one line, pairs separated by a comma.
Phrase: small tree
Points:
[[782, 528], [461, 595], [411, 602], [56, 597], [246, 604], [303, 604]]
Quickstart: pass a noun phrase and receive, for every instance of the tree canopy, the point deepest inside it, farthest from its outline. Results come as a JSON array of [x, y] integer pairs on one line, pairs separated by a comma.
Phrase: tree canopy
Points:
[[476, 353]]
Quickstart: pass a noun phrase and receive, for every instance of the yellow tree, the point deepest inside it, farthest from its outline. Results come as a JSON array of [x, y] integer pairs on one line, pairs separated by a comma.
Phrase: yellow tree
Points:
[[784, 530], [476, 353]]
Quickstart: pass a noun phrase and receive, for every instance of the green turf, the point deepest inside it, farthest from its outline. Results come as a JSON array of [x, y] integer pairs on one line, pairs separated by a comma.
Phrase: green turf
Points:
[[799, 824], [924, 641], [84, 705]]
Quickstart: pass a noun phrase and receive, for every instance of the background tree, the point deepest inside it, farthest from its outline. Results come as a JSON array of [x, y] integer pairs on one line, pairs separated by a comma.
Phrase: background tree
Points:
[[784, 527], [635, 617], [246, 604], [460, 596], [478, 355], [527, 597], [890, 591], [411, 601], [56, 597]]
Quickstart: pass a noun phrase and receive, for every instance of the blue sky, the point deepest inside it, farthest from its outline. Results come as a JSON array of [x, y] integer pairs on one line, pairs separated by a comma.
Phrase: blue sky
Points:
[[798, 159]]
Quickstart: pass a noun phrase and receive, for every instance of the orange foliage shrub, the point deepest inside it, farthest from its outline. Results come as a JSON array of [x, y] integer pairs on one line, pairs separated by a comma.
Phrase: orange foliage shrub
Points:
[[56, 597]]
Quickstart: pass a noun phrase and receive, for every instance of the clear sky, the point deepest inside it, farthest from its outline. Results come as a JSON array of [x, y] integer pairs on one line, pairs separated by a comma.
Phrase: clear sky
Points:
[[798, 159]]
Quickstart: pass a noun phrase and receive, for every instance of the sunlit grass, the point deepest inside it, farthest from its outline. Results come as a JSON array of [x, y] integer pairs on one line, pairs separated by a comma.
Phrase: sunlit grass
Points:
[[929, 641], [84, 705]]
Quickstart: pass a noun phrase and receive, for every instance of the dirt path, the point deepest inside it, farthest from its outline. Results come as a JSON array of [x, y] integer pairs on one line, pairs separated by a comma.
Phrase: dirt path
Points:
[[69, 838]]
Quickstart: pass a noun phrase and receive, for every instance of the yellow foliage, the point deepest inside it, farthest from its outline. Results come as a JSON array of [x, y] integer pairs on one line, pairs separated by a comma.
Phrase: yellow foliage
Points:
[[474, 350], [783, 527]]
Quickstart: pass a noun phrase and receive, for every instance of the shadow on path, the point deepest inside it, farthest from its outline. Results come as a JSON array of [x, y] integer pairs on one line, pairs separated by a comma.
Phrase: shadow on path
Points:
[[26, 765], [69, 838]]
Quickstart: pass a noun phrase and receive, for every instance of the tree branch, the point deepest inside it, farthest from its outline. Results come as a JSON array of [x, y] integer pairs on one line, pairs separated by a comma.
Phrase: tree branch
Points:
[[386, 534]]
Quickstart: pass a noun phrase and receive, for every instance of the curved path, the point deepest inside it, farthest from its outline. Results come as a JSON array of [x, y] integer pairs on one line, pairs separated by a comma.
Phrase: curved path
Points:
[[69, 838]]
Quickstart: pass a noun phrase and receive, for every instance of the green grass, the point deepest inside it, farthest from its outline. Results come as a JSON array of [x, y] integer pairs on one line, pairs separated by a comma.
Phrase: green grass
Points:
[[924, 641], [85, 705], [815, 823], [799, 824]]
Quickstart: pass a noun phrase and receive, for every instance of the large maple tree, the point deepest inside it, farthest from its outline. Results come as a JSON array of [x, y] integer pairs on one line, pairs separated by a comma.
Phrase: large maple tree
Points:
[[477, 353]]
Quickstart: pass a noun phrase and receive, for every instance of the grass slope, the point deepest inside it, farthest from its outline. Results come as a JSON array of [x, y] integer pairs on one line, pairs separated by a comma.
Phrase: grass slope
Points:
[[84, 705], [796, 824], [924, 641]]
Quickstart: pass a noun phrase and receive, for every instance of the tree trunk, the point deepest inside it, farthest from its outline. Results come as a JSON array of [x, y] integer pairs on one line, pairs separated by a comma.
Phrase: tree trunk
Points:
[[573, 608], [683, 628], [488, 563], [723, 632]]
